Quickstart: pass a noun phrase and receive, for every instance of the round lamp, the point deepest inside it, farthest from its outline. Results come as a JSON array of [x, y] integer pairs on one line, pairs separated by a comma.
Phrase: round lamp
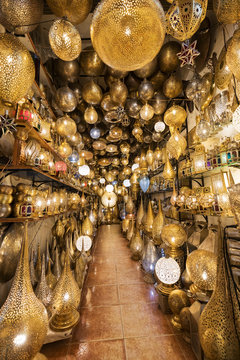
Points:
[[128, 35]]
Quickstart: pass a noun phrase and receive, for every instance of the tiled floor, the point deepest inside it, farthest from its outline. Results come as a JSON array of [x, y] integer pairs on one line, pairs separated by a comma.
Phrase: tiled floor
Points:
[[120, 319]]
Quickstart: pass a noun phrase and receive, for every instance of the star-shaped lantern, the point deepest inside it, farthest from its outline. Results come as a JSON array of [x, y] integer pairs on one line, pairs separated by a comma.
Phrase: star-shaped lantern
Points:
[[6, 125], [188, 53]]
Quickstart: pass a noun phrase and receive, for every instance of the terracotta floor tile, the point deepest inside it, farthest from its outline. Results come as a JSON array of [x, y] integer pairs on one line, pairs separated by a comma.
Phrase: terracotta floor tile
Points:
[[98, 350], [57, 350], [101, 278], [144, 320], [126, 265], [153, 348], [186, 348], [100, 295], [99, 323], [137, 293], [129, 277], [104, 266]]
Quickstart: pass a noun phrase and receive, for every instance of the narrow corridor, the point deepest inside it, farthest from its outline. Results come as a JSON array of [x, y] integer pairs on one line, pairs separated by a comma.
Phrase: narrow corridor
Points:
[[120, 319]]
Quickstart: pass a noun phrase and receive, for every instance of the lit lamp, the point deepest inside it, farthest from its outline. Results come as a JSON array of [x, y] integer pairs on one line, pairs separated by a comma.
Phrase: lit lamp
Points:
[[168, 272], [174, 236], [109, 199], [220, 188], [199, 160], [84, 170], [149, 259], [202, 268]]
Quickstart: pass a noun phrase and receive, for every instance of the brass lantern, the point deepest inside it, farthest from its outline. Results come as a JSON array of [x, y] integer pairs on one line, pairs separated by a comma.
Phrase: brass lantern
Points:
[[90, 62], [184, 18], [127, 35], [23, 318], [65, 40], [20, 16], [17, 70], [75, 11], [65, 126]]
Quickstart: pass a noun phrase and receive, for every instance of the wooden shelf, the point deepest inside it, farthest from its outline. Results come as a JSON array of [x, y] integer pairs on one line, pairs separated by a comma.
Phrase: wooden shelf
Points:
[[33, 133], [37, 175], [23, 219]]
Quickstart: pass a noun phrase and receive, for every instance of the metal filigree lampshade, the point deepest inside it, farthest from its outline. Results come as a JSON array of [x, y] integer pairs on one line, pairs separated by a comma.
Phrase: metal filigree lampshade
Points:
[[76, 11], [202, 268], [23, 318], [65, 300], [184, 18], [127, 35], [65, 40], [20, 16], [17, 70]]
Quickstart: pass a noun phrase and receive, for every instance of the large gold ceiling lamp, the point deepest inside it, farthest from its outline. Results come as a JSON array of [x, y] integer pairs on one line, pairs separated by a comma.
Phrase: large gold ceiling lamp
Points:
[[227, 11], [184, 18], [128, 34], [15, 15], [17, 70], [76, 11], [23, 318], [65, 40]]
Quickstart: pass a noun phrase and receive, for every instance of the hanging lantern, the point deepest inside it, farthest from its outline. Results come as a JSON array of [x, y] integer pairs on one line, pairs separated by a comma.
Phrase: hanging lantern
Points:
[[20, 16], [118, 92], [144, 183], [145, 90], [75, 11], [147, 112], [84, 170], [175, 116], [17, 70], [67, 70], [65, 149], [65, 126], [87, 227], [74, 157], [159, 126], [176, 145], [65, 40], [66, 99], [168, 59], [203, 129], [168, 172], [95, 133], [184, 18], [147, 70], [109, 200], [173, 86], [92, 93], [130, 207], [90, 115], [131, 28], [90, 62], [227, 11]]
